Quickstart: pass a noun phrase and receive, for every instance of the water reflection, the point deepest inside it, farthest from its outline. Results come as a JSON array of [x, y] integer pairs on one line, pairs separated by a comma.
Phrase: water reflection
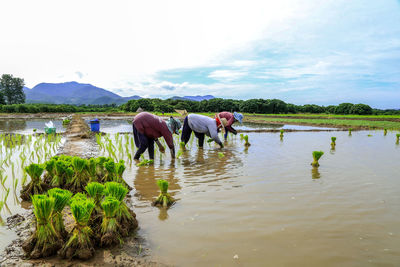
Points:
[[146, 181], [315, 173]]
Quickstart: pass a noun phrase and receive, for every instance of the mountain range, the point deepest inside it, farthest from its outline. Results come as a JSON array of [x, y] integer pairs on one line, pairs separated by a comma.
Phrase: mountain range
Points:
[[80, 93]]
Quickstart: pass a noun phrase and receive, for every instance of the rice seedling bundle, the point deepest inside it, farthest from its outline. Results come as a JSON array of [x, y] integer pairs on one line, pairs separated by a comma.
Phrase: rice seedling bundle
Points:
[[221, 155], [44, 241], [109, 226], [125, 217], [35, 186], [316, 156], [164, 199], [61, 198], [333, 143], [350, 129], [385, 131], [79, 244], [246, 141], [80, 178], [110, 174], [281, 135], [397, 138], [147, 162], [63, 173]]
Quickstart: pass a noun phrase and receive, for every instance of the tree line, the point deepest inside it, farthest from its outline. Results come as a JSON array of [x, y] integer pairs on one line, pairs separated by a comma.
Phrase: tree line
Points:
[[259, 106]]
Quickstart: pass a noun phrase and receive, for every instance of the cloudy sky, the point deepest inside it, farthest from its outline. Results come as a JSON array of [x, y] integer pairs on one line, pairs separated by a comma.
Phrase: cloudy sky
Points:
[[309, 51]]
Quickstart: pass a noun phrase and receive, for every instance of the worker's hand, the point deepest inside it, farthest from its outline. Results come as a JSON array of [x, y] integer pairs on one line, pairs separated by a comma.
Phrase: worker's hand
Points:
[[162, 149], [221, 145]]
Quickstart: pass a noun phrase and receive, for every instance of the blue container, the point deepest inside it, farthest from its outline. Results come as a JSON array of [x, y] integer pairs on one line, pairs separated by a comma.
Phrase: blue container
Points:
[[95, 125]]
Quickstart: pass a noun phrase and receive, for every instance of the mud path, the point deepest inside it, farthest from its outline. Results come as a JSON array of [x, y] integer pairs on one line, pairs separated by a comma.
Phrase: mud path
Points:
[[79, 142], [326, 117]]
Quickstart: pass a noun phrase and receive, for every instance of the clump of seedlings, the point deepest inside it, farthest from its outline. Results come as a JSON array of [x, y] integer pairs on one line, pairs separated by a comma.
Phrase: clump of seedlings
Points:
[[36, 185], [95, 191], [164, 199], [385, 131], [246, 141], [80, 178], [147, 162], [316, 156], [44, 241], [182, 146], [79, 244], [66, 122], [397, 138], [333, 143], [281, 135], [61, 199], [221, 155], [110, 225], [125, 217], [350, 129]]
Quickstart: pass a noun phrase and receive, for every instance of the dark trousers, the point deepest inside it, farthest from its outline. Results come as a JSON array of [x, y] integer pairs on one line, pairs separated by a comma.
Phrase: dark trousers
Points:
[[143, 142], [187, 132]]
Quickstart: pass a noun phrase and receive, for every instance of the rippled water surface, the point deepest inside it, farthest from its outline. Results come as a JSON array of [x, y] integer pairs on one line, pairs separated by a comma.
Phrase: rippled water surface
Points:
[[266, 206]]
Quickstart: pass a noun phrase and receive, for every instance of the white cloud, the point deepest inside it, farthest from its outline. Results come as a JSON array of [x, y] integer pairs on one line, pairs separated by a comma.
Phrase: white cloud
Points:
[[227, 75]]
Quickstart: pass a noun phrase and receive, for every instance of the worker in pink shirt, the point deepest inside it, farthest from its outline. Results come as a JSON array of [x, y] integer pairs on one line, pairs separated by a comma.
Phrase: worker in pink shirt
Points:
[[147, 128], [231, 118]]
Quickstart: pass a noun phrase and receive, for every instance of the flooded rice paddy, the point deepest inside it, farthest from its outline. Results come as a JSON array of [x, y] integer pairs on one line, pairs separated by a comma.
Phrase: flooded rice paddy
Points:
[[266, 205]]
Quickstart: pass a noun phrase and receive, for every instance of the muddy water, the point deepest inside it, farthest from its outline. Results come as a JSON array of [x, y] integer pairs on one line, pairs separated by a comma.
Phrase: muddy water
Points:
[[267, 206], [26, 126]]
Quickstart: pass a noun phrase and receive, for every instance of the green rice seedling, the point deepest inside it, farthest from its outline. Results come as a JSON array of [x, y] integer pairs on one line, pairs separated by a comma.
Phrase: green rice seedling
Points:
[[35, 186], [148, 162], [79, 244], [66, 122], [241, 136], [281, 135], [316, 156], [333, 143], [110, 226], [63, 173], [50, 167], [126, 217], [44, 241], [164, 199], [246, 141], [100, 170], [61, 199], [350, 129], [397, 138], [34, 130], [119, 169], [80, 178], [111, 171], [95, 190], [182, 146], [91, 169], [385, 131], [221, 155]]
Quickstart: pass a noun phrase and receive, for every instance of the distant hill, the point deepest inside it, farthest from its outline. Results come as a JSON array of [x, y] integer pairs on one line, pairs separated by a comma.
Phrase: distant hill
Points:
[[193, 98], [73, 93]]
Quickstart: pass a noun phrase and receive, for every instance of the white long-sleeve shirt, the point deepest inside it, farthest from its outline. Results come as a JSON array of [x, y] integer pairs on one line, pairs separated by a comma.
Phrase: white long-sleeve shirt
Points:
[[204, 124]]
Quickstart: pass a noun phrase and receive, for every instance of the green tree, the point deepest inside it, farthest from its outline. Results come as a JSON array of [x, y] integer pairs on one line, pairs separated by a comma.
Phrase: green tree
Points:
[[2, 100], [361, 109], [343, 108], [12, 89]]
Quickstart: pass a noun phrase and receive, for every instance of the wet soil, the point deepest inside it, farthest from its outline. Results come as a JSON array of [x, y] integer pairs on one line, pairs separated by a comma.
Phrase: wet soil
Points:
[[79, 142]]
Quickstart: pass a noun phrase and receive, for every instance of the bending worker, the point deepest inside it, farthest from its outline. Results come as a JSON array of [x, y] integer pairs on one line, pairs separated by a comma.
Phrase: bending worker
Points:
[[201, 126], [147, 128], [231, 118]]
